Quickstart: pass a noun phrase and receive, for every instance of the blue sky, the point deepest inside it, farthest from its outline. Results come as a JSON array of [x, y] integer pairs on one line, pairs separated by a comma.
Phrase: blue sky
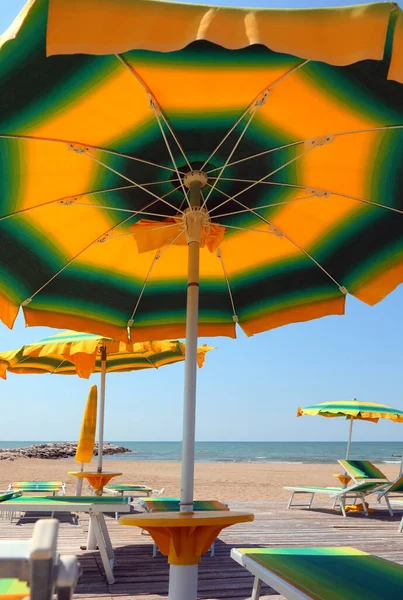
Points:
[[249, 389]]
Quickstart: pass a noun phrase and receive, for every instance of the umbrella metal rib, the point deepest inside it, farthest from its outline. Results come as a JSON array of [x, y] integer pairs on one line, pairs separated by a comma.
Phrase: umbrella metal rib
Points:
[[109, 168], [74, 145], [154, 105]]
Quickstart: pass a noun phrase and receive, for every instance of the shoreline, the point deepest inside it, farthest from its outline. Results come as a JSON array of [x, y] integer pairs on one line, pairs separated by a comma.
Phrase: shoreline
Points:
[[214, 480]]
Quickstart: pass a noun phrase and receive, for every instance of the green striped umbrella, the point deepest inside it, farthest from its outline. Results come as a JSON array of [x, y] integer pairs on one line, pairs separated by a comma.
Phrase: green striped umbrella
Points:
[[352, 410]]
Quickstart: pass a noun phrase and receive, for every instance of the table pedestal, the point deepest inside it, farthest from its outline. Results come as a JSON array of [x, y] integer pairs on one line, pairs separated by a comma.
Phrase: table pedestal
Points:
[[183, 538], [96, 480]]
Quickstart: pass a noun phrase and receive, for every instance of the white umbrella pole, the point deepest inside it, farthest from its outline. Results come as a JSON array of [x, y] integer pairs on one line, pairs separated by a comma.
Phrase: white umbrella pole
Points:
[[183, 578], [193, 230], [349, 438], [101, 410]]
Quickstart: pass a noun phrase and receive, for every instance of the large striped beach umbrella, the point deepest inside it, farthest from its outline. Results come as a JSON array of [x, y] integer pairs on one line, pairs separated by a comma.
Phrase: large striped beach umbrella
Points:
[[149, 149], [352, 410], [71, 353]]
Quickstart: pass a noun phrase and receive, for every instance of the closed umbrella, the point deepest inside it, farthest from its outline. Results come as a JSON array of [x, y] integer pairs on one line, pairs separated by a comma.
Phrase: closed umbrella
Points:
[[353, 410], [85, 446], [263, 145]]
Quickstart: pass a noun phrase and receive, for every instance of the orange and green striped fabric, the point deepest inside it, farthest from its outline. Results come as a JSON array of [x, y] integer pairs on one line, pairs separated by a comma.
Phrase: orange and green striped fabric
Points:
[[13, 589], [301, 141], [71, 352], [332, 573], [353, 409], [172, 504]]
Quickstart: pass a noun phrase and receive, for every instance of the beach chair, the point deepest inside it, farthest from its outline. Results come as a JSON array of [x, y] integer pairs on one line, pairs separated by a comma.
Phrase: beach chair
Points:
[[38, 487], [339, 495], [120, 489], [94, 506], [156, 504], [33, 569], [321, 573], [130, 489], [366, 479]]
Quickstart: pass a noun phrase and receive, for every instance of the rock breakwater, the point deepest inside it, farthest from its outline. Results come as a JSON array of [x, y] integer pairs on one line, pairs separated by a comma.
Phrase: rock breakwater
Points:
[[55, 450]]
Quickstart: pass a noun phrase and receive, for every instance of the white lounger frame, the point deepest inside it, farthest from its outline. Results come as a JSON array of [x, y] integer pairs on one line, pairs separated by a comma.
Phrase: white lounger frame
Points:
[[37, 562], [264, 575], [97, 532]]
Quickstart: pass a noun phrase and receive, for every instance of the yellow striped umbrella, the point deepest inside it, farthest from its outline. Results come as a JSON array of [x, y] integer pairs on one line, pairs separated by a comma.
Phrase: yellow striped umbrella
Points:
[[71, 352], [352, 410]]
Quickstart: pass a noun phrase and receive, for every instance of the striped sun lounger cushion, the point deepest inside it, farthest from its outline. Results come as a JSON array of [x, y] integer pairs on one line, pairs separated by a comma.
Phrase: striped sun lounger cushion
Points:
[[362, 469], [13, 589], [128, 487], [10, 495], [172, 504], [25, 485], [315, 490], [65, 500], [397, 486], [332, 573]]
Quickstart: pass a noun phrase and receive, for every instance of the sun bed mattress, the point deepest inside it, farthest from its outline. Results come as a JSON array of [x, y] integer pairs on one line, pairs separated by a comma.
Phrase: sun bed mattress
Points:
[[315, 490], [327, 573], [172, 504], [67, 503]]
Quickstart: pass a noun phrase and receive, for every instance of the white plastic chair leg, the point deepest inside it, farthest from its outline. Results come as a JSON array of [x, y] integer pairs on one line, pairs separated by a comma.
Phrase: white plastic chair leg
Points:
[[257, 586]]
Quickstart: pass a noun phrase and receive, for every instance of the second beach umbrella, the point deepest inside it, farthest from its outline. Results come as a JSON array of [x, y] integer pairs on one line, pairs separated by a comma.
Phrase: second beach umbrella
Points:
[[353, 410], [71, 352]]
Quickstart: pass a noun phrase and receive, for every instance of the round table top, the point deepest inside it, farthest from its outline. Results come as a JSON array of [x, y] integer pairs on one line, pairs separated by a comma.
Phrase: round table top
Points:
[[82, 474], [194, 519]]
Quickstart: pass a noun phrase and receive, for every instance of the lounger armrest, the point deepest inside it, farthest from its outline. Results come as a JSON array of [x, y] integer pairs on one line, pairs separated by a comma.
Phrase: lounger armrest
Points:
[[68, 574], [44, 539]]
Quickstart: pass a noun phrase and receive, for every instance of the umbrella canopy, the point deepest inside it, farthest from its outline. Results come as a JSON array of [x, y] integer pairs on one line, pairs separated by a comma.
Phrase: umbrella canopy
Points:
[[300, 146], [71, 352], [352, 410]]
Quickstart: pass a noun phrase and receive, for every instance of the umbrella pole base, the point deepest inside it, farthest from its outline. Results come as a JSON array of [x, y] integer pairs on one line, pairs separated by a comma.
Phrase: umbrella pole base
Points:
[[183, 582]]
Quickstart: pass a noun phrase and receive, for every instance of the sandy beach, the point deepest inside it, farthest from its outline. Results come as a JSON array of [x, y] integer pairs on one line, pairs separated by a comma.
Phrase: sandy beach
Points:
[[221, 481]]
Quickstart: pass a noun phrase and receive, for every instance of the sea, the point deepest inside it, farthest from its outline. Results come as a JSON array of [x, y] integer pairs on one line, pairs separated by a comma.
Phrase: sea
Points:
[[254, 452]]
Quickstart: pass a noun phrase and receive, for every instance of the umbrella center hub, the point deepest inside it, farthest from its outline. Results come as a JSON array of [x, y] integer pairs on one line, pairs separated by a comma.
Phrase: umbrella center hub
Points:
[[193, 176]]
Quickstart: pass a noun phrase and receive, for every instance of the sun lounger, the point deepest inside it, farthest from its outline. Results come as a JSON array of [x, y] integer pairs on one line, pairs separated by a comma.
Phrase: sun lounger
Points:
[[130, 488], [94, 506], [321, 573], [366, 479], [32, 568], [339, 495], [32, 487], [360, 470], [172, 505]]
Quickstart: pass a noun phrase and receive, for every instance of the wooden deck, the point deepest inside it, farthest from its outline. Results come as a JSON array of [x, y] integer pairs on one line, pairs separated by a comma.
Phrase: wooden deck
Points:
[[140, 577]]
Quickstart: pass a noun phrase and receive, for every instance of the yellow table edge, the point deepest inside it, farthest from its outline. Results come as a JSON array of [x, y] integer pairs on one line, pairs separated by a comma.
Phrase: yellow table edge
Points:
[[184, 537]]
